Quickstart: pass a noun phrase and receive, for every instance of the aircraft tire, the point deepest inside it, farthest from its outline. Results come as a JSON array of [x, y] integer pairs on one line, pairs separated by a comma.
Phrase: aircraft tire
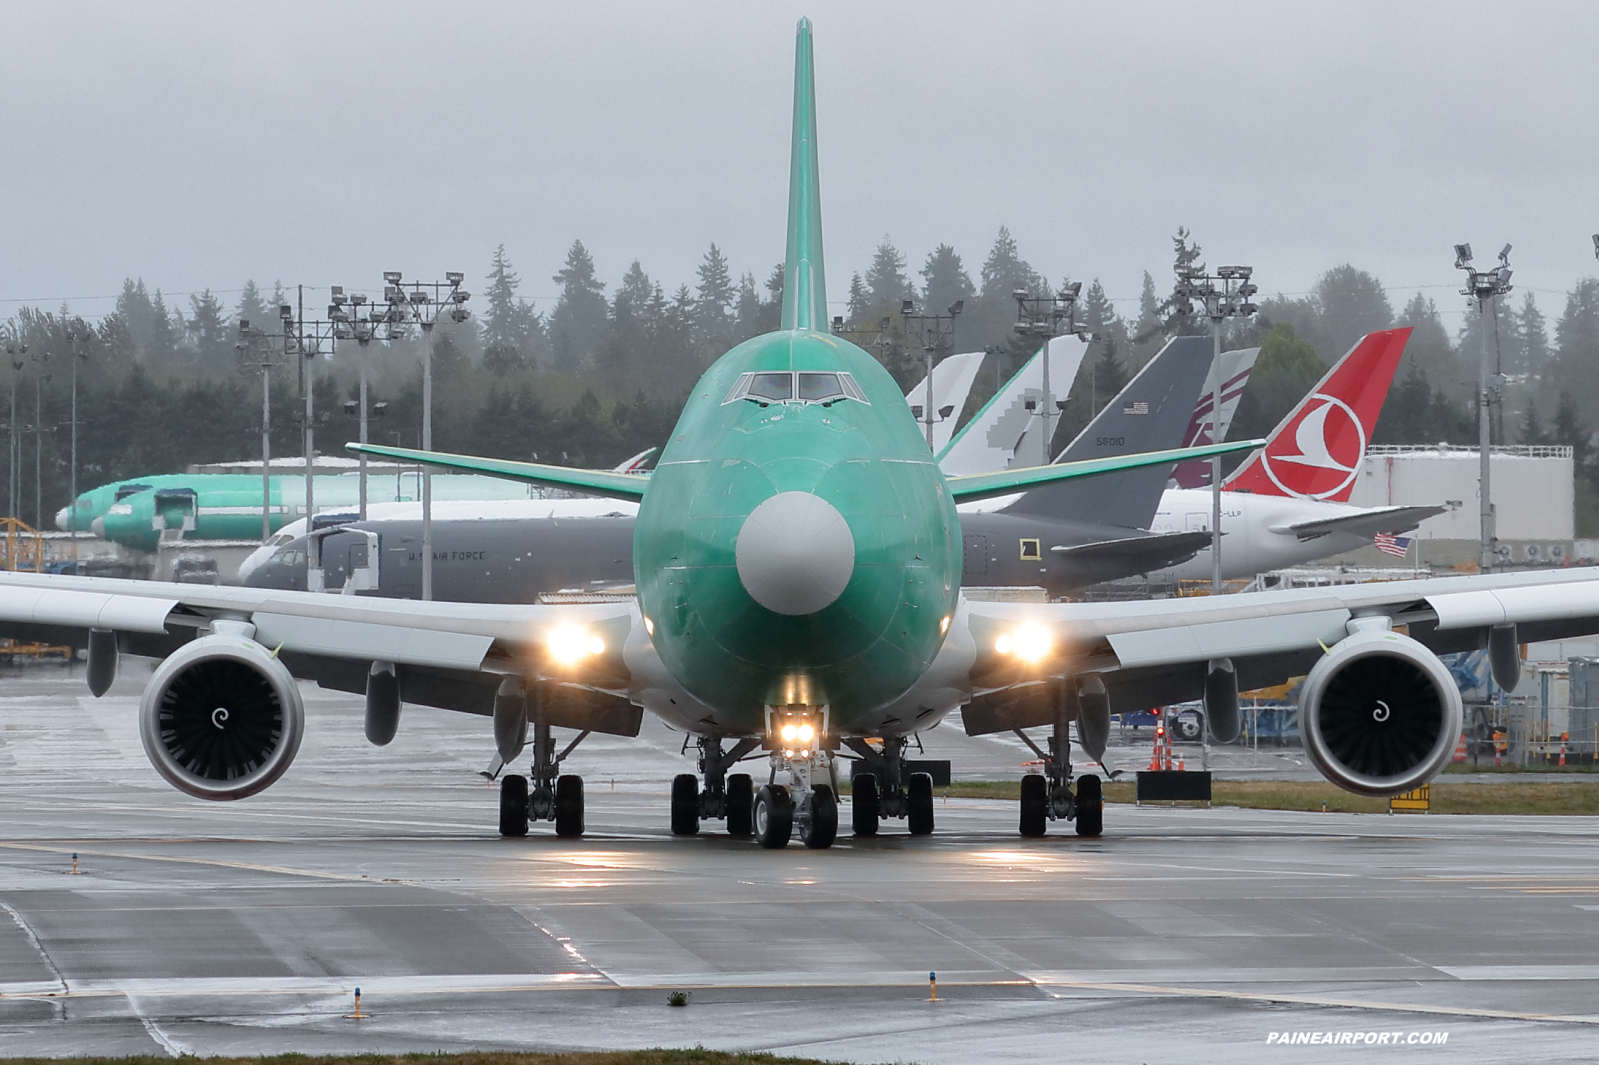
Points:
[[513, 806], [919, 805], [685, 805], [863, 806], [1034, 806], [740, 806], [821, 829], [1090, 806], [569, 806], [774, 816]]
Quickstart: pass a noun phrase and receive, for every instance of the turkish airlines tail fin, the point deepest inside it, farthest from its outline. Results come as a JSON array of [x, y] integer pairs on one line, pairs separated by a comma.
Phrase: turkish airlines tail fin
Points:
[[1315, 452], [1233, 369]]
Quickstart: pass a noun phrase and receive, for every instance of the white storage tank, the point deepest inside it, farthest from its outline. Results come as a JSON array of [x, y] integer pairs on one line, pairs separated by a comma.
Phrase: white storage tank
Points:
[[1534, 496]]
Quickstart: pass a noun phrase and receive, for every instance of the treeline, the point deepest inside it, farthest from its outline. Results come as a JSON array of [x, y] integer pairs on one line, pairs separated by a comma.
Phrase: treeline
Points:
[[603, 373]]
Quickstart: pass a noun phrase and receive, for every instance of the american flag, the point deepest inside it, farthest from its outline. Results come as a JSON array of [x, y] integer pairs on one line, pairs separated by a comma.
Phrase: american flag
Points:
[[1139, 407], [1389, 544]]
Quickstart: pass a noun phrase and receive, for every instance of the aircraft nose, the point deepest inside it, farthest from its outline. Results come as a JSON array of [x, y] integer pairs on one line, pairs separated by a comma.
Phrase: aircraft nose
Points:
[[98, 527], [64, 519], [795, 553]]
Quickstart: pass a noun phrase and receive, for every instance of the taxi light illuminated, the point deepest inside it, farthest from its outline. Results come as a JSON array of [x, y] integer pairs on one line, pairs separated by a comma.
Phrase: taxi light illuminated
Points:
[[806, 733], [569, 645], [649, 627], [788, 732], [943, 626], [1029, 643]]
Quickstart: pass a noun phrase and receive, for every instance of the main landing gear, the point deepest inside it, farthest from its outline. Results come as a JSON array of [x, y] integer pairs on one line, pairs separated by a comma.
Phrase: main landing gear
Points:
[[887, 790], [1049, 797], [546, 794], [726, 796]]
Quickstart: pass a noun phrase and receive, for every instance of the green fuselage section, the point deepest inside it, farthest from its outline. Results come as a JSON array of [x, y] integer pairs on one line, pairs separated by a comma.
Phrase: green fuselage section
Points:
[[867, 460]]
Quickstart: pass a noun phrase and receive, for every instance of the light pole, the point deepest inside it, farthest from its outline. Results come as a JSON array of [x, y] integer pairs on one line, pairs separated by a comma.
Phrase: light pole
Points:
[[73, 336], [1045, 318], [359, 326], [1222, 295], [15, 500], [305, 339], [422, 308], [255, 355], [936, 333], [1483, 287], [38, 440]]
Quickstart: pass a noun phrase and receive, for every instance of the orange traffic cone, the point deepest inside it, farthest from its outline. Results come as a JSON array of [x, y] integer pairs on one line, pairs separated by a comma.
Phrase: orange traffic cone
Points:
[[1564, 736]]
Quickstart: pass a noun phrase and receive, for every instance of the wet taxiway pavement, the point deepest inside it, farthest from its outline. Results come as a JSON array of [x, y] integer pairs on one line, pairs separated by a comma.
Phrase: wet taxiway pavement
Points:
[[1183, 934]]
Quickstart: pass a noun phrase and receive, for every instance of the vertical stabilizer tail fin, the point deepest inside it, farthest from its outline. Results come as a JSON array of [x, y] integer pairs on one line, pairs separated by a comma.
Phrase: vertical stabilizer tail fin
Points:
[[1150, 414], [804, 286], [1233, 369], [1316, 452]]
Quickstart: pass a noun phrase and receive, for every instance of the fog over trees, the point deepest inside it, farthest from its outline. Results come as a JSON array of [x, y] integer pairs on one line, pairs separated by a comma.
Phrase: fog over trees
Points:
[[602, 371]]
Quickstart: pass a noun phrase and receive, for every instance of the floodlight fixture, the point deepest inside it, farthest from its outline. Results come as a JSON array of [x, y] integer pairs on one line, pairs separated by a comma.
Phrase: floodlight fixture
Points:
[[1596, 245], [907, 307], [380, 410], [960, 305], [1071, 289], [1462, 256], [358, 298], [838, 319], [285, 312], [1504, 254], [454, 277], [946, 410], [338, 294], [391, 277]]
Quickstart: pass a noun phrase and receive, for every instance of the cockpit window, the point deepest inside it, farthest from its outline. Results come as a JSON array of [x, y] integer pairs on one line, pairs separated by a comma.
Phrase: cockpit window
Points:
[[774, 387], [787, 387], [819, 387]]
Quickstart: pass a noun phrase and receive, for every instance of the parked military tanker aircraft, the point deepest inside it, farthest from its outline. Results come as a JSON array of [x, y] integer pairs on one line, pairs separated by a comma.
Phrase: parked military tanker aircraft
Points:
[[797, 567]]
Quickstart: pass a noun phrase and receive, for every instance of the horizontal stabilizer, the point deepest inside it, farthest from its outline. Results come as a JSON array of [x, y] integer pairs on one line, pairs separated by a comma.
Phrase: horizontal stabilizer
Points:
[[593, 482], [1004, 482], [1363, 522], [1160, 549]]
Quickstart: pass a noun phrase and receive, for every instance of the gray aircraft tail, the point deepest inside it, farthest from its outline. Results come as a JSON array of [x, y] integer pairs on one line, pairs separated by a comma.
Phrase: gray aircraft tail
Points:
[[1151, 414]]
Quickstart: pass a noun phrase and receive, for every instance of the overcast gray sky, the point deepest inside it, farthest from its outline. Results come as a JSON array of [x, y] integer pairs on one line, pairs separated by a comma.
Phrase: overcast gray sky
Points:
[[199, 144]]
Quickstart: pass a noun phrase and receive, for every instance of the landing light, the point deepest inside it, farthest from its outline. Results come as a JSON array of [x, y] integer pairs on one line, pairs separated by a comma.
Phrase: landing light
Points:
[[943, 626], [1029, 643], [804, 732], [569, 645]]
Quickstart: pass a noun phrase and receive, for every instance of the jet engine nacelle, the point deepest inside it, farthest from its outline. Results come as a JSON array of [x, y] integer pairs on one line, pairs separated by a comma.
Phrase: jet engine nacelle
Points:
[[1379, 714], [221, 718]]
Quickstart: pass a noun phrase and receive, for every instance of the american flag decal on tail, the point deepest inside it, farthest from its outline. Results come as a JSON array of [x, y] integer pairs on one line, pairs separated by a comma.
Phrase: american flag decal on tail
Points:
[[1389, 544], [1139, 407]]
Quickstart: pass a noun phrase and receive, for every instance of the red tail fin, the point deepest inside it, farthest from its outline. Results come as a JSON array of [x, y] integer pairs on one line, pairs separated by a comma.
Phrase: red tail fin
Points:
[[1315, 452]]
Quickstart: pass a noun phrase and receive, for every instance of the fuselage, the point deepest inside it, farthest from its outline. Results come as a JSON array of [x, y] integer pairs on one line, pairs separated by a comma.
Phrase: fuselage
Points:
[[750, 609], [1249, 544]]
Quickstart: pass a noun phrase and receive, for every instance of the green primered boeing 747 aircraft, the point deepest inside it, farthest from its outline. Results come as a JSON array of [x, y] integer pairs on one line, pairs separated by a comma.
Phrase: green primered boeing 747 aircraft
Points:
[[797, 564]]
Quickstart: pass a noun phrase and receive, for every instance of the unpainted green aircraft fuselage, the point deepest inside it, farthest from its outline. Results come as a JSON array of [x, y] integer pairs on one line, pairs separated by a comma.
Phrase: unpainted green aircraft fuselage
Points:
[[868, 461]]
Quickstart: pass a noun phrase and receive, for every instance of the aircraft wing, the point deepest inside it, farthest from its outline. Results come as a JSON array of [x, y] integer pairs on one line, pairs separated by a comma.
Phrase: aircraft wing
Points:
[[608, 483], [976, 486], [1162, 549], [450, 655], [1158, 652], [1368, 522]]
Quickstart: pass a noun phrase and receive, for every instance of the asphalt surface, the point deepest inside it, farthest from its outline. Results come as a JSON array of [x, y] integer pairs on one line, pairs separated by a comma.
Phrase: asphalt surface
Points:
[[1183, 934]]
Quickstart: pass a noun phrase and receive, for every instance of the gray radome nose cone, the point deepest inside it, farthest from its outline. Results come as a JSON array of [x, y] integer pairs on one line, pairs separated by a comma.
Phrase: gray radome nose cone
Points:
[[97, 526], [795, 554]]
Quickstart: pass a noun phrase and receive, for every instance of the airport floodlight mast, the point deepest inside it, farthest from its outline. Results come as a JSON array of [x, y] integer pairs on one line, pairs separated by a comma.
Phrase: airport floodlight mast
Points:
[[304, 339], [12, 352], [420, 303], [352, 320], [74, 335], [1484, 287], [40, 357], [256, 356], [1222, 295], [936, 333], [1045, 318]]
